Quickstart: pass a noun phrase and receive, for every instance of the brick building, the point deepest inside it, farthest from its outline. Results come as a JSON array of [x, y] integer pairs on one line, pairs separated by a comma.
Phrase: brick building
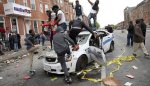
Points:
[[23, 15], [142, 10]]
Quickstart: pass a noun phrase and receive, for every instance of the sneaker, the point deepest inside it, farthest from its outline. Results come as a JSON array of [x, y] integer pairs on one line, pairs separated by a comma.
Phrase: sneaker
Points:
[[134, 54], [32, 73], [146, 55], [68, 79]]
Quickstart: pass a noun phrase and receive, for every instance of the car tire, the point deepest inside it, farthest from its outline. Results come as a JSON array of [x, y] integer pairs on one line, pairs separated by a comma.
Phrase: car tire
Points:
[[81, 63], [111, 47]]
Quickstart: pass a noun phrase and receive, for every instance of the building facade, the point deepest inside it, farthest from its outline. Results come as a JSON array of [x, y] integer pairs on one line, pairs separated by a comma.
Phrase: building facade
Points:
[[23, 15], [141, 11]]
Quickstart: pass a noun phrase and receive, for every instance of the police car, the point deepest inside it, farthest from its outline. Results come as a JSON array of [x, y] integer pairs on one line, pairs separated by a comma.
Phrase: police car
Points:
[[80, 58]]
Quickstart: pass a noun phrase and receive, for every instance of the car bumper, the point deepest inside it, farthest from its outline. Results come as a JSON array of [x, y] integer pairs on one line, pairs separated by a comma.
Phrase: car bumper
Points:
[[56, 67]]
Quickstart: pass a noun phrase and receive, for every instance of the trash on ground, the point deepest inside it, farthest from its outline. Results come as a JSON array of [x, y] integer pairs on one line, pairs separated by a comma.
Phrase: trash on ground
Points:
[[130, 76], [24, 55], [134, 67], [26, 77], [54, 78], [111, 81], [128, 84], [1, 78]]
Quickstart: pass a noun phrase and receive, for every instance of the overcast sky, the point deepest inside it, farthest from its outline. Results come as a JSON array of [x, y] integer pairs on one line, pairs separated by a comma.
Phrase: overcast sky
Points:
[[111, 11]]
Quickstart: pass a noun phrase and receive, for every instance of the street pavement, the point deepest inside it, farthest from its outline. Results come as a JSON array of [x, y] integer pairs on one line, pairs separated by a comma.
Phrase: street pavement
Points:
[[12, 74]]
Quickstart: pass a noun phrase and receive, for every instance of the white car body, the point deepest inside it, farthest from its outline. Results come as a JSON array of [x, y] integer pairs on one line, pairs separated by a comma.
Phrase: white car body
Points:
[[52, 65]]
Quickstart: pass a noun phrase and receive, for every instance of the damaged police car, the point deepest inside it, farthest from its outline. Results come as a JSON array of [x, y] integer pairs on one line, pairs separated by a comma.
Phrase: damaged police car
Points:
[[80, 58]]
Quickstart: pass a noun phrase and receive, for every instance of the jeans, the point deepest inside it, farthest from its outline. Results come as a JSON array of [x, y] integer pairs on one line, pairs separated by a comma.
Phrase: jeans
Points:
[[61, 59], [63, 25], [73, 34], [130, 39], [16, 47], [91, 15]]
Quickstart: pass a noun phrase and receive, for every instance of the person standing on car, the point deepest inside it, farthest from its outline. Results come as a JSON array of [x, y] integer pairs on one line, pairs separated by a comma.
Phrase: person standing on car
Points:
[[61, 48], [75, 27], [130, 34], [94, 12], [138, 39], [78, 10], [60, 17], [143, 27]]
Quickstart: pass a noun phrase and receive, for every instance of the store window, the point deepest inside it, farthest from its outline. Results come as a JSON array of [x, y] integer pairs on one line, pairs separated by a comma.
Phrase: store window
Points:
[[25, 2], [14, 23], [46, 7], [33, 6], [35, 26], [41, 8], [2, 30], [13, 1]]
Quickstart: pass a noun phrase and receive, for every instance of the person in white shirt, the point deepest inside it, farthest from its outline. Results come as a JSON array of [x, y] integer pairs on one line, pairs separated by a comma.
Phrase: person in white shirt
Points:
[[94, 12], [60, 17]]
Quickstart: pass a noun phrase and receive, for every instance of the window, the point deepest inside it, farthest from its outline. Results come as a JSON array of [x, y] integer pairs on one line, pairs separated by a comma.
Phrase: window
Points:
[[13, 1], [33, 6], [35, 26], [46, 7], [25, 2], [0, 0], [41, 8]]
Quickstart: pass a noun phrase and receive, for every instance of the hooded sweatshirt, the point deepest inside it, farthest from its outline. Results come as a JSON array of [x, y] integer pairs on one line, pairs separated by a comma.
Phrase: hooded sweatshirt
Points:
[[60, 41]]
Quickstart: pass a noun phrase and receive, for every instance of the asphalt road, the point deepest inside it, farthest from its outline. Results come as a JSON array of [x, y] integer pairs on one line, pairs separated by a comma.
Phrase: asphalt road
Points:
[[12, 74]]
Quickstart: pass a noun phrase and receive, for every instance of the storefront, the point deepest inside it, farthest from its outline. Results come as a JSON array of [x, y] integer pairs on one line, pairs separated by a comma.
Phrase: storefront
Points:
[[19, 16]]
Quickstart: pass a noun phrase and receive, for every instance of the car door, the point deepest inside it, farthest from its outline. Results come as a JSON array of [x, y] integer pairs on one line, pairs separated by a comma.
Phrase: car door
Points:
[[105, 38]]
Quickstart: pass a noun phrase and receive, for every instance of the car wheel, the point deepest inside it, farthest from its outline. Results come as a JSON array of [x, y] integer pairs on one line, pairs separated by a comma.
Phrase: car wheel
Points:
[[81, 63], [111, 47]]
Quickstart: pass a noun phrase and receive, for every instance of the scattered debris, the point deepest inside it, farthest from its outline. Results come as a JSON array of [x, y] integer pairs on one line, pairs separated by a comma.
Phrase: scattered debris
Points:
[[1, 78], [7, 61], [130, 76], [17, 65], [111, 81], [24, 55], [26, 77], [128, 84], [134, 67], [54, 78]]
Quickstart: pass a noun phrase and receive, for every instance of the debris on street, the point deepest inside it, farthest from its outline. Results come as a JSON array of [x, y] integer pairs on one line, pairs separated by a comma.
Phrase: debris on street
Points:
[[26, 77], [53, 78], [111, 81], [134, 67], [128, 84], [130, 76], [1, 78]]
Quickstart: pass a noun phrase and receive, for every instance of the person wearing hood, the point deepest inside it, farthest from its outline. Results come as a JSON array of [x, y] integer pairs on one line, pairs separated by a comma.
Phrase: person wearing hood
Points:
[[61, 47]]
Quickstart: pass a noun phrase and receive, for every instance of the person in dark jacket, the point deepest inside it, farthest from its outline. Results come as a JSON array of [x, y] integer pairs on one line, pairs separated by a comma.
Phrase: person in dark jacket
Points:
[[130, 34], [61, 48], [75, 27], [78, 10], [11, 42], [19, 41], [138, 39], [143, 27], [15, 41], [94, 12]]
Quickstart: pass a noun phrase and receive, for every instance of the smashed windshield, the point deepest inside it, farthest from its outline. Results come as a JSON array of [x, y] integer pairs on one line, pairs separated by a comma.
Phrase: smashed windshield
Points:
[[82, 38]]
